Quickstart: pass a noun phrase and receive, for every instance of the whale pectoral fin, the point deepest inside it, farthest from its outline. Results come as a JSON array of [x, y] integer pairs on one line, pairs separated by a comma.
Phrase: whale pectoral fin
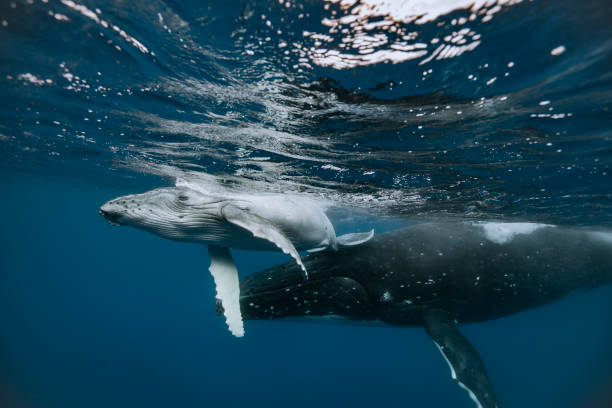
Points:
[[224, 272], [466, 366], [263, 229], [356, 238], [318, 249]]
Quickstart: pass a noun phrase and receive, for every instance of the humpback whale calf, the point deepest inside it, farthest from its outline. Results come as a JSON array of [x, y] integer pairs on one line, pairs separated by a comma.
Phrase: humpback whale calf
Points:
[[436, 276], [224, 219]]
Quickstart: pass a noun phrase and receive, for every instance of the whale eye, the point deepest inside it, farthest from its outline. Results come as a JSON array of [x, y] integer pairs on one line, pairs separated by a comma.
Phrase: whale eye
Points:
[[183, 197]]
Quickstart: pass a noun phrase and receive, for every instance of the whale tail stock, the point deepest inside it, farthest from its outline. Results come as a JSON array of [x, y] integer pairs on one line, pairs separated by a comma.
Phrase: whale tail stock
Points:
[[467, 368]]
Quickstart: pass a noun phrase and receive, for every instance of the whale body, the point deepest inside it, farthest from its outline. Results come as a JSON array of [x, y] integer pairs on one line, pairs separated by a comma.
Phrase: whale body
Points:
[[224, 219], [436, 276]]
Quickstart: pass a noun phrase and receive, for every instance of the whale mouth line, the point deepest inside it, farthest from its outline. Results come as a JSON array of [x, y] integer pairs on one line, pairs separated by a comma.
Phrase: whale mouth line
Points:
[[110, 217], [267, 291], [291, 296], [279, 289]]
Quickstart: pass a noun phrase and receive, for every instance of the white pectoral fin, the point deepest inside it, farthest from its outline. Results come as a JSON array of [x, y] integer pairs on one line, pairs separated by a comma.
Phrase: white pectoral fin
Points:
[[318, 249], [263, 229], [224, 272], [356, 238]]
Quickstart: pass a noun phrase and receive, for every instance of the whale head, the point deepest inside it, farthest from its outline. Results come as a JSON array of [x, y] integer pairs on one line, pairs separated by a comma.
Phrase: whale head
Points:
[[176, 213], [330, 294]]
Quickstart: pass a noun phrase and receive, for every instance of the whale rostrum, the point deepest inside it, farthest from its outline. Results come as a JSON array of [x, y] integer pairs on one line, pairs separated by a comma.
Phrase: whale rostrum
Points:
[[437, 276], [224, 219]]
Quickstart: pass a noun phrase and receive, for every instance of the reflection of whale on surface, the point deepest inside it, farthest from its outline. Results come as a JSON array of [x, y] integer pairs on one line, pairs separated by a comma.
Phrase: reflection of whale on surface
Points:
[[435, 276], [222, 220]]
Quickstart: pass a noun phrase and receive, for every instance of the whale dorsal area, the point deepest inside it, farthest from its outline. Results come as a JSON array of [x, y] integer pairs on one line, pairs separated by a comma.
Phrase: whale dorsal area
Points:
[[263, 229], [466, 366], [224, 272]]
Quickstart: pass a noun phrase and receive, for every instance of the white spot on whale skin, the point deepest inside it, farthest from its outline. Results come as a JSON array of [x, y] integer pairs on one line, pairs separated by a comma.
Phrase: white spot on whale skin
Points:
[[558, 50], [386, 297], [503, 232]]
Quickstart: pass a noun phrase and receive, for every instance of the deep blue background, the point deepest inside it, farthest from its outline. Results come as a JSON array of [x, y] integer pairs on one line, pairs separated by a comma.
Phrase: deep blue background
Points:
[[97, 316]]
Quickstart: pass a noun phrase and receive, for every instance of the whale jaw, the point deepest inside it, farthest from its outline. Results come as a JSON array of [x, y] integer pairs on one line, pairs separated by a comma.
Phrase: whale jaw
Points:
[[284, 293], [110, 216]]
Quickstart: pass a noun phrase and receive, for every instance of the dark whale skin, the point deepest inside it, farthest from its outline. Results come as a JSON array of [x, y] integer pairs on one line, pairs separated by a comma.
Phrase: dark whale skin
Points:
[[454, 267], [437, 275]]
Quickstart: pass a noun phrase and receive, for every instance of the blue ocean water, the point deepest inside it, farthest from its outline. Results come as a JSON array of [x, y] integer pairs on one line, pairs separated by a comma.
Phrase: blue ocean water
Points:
[[394, 111]]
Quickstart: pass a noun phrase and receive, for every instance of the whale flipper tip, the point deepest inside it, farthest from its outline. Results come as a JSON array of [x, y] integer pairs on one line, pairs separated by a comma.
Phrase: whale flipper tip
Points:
[[356, 238], [263, 229], [318, 249], [224, 272], [467, 368]]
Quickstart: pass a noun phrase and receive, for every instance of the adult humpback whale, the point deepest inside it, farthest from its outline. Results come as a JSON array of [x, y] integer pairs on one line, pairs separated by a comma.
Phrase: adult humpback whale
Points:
[[225, 219], [438, 275]]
